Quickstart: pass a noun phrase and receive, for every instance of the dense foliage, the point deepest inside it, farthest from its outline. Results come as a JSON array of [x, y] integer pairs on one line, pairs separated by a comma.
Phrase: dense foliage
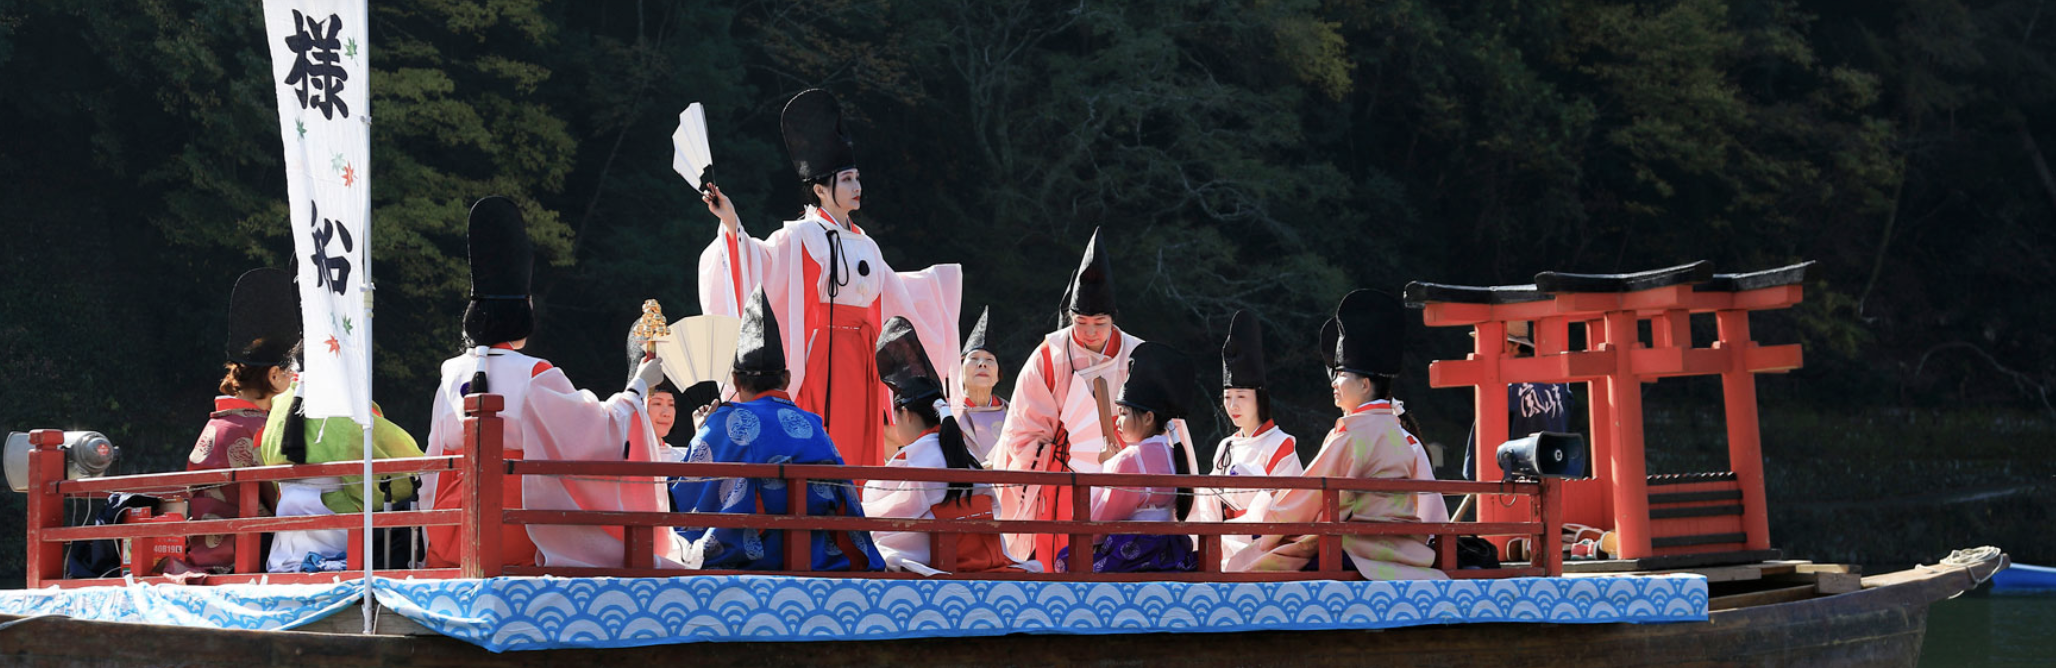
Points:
[[1241, 154]]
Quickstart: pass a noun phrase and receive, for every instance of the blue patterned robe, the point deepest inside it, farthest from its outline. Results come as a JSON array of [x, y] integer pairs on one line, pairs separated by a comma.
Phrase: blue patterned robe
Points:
[[769, 430]]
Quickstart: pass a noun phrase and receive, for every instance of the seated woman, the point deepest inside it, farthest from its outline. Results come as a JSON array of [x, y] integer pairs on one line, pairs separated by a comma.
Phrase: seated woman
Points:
[[1153, 395], [1361, 347], [1258, 447], [763, 426], [930, 441], [666, 401], [291, 438], [263, 330], [981, 412]]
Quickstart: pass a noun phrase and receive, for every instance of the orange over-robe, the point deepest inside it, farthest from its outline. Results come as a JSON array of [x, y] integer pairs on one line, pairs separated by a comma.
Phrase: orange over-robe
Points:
[[831, 290]]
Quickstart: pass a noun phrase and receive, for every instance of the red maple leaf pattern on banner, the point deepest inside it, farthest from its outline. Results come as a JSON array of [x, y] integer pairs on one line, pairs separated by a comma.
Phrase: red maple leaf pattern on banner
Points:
[[334, 347]]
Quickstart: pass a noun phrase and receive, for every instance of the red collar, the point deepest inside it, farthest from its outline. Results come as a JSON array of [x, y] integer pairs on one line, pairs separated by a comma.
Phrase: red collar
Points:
[[503, 346], [823, 214], [1375, 405], [1267, 426], [902, 454], [1113, 342], [228, 403], [992, 401]]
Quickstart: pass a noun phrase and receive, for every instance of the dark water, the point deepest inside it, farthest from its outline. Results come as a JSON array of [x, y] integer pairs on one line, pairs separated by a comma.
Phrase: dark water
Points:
[[1983, 628]]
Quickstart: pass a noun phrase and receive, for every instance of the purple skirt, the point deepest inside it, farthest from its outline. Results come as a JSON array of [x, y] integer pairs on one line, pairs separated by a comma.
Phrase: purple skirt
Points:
[[1139, 553]]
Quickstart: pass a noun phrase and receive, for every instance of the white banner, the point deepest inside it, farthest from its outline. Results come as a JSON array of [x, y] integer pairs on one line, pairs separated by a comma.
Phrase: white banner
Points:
[[322, 73]]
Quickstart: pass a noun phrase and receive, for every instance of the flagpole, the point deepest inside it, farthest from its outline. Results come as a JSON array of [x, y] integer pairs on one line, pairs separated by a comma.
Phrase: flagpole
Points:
[[370, 485]]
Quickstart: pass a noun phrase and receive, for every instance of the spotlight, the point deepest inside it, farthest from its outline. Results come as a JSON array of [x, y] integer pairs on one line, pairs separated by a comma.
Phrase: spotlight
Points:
[[87, 454], [1546, 454]]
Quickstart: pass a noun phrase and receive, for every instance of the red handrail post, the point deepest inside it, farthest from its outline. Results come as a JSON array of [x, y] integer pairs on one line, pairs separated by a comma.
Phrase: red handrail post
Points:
[[249, 504], [354, 556], [1081, 543], [1445, 552], [942, 550], [46, 506], [486, 466], [1210, 553], [639, 546], [1549, 546], [1330, 544], [799, 555]]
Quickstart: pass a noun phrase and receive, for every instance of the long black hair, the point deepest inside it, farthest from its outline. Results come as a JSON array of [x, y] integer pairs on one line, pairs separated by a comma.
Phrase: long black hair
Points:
[[954, 453], [1178, 464]]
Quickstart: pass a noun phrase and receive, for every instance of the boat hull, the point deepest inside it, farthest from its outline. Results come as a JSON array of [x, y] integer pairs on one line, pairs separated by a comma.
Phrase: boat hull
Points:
[[1881, 625]]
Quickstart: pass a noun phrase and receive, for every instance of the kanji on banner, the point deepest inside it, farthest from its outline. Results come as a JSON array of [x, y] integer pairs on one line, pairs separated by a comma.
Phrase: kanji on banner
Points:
[[320, 70]]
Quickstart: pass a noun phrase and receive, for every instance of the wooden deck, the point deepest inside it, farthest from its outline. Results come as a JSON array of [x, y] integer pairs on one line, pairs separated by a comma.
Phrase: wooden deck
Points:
[[1880, 624]]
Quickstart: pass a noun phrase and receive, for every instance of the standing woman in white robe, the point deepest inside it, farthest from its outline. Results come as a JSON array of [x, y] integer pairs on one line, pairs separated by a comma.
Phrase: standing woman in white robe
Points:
[[828, 281]]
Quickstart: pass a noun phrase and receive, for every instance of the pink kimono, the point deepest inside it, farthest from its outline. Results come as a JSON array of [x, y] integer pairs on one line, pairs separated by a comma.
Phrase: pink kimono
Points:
[[1366, 443], [1053, 425], [1140, 553]]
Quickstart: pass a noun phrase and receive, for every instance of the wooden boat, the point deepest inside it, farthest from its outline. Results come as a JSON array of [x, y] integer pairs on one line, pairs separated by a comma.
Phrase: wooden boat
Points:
[[1879, 624], [1762, 611]]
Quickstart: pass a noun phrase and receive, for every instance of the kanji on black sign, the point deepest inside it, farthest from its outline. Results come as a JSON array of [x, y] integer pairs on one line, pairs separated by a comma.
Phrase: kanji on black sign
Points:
[[330, 272], [318, 78]]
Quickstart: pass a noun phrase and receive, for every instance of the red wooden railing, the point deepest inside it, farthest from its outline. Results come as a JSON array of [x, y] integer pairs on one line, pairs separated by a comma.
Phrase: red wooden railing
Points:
[[481, 515], [48, 490]]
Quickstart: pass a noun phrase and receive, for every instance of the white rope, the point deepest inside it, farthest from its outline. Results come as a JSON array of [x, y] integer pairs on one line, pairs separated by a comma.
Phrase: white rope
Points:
[[1972, 556]]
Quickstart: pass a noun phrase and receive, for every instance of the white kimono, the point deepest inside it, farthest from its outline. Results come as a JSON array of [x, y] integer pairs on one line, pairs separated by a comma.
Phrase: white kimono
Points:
[[909, 550], [1270, 452], [735, 265]]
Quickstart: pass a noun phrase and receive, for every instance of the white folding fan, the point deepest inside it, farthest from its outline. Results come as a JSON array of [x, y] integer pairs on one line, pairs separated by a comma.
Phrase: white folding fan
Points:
[[689, 153], [698, 348]]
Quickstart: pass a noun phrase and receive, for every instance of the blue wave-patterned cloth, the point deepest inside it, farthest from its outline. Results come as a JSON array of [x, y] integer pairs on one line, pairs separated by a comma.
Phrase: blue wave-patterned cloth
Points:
[[251, 607], [503, 614]]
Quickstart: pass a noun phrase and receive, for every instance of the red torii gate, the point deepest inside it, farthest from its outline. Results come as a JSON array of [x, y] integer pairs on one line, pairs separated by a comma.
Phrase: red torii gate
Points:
[[1697, 513]]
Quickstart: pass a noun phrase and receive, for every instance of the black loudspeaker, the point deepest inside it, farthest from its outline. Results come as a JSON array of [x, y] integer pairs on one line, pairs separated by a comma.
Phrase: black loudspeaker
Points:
[[1546, 454]]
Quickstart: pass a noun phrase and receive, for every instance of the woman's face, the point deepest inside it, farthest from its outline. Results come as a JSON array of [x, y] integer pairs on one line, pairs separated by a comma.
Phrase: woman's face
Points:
[[848, 192], [1134, 425], [1240, 405], [903, 429], [1092, 331], [980, 371], [663, 412], [1351, 390]]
